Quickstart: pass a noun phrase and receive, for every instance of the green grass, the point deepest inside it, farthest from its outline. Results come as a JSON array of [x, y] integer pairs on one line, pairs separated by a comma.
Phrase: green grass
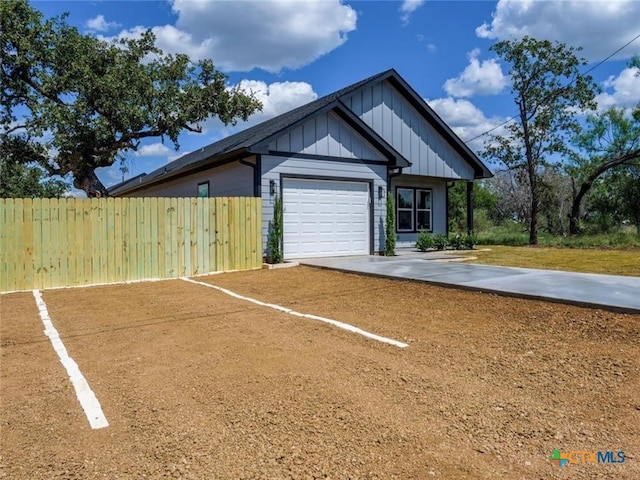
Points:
[[615, 254], [586, 260], [517, 235]]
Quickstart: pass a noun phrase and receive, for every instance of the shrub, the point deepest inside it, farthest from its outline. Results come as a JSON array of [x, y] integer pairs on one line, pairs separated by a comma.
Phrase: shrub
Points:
[[456, 242], [440, 241], [425, 241], [390, 228], [274, 238], [469, 241]]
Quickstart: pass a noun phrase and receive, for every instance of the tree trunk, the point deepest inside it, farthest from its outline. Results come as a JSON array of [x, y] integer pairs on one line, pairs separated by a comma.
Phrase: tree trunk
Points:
[[574, 216], [91, 185], [533, 223], [535, 203]]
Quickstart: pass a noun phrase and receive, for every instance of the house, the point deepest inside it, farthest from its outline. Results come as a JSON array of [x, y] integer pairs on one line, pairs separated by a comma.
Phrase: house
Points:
[[333, 161]]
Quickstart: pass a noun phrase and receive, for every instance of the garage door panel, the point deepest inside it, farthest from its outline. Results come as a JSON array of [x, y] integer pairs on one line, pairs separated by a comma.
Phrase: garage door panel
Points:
[[325, 218]]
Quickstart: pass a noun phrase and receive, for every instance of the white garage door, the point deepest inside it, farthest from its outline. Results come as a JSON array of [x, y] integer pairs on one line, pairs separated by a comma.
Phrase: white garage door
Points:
[[325, 218]]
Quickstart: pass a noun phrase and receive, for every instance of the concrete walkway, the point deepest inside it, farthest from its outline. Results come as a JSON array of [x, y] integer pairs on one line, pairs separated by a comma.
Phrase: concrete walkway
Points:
[[611, 292]]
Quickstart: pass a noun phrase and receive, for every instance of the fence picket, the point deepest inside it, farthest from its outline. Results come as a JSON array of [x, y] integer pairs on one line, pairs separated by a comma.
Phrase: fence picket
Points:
[[70, 241]]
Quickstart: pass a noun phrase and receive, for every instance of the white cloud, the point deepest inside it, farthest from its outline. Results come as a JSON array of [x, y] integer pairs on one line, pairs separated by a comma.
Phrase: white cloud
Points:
[[276, 98], [431, 47], [479, 78], [242, 35], [408, 7], [467, 120], [152, 150], [279, 97], [600, 27], [99, 24], [621, 91]]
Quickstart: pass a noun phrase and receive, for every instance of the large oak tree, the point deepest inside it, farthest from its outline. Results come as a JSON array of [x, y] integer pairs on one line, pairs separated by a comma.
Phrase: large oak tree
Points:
[[86, 102]]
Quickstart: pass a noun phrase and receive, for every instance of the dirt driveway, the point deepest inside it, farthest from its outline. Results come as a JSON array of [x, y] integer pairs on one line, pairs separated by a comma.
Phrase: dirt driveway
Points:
[[198, 384]]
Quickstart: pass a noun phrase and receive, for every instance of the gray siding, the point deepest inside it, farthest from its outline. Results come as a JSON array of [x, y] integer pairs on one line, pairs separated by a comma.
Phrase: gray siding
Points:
[[326, 135], [439, 203], [230, 180], [273, 167], [394, 119]]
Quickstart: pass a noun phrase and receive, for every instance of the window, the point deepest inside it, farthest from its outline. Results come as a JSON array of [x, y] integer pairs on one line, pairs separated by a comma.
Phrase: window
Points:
[[423, 209], [203, 190], [413, 209], [405, 209]]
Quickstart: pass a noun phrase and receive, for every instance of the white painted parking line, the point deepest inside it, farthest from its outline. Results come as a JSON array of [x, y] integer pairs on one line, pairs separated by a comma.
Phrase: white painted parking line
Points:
[[335, 323], [88, 400]]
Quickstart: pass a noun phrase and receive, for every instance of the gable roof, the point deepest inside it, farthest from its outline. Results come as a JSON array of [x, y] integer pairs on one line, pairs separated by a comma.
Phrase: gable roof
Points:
[[481, 170], [252, 139]]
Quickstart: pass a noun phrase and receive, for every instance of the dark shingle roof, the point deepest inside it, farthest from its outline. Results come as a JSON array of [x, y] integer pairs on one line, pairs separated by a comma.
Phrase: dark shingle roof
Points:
[[252, 135], [257, 134]]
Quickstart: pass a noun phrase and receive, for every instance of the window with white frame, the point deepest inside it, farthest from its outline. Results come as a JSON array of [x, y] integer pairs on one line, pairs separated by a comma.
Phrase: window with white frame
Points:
[[413, 209]]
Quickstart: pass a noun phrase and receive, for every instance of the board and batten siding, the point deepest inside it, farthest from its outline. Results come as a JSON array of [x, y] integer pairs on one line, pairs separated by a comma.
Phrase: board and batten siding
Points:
[[275, 167], [326, 135], [229, 180], [387, 112], [438, 189]]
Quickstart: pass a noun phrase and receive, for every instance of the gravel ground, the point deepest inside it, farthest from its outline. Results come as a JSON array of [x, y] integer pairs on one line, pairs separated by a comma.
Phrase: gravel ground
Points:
[[197, 384]]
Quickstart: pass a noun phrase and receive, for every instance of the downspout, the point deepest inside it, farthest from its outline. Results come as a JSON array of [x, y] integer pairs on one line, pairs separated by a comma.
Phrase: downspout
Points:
[[256, 175], [390, 176]]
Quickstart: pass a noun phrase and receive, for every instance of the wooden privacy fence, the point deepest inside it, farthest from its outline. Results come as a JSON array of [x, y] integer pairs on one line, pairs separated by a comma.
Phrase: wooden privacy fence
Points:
[[70, 241]]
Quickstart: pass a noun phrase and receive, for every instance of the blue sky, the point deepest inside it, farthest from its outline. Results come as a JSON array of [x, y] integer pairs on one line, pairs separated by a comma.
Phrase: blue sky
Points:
[[290, 52]]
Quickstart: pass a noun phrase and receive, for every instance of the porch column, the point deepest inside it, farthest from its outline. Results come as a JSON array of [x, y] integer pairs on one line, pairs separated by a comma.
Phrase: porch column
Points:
[[469, 207]]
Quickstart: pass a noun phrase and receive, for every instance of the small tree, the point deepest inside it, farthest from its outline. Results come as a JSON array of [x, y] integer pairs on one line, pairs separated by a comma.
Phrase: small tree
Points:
[[548, 89], [390, 228], [274, 239], [608, 141]]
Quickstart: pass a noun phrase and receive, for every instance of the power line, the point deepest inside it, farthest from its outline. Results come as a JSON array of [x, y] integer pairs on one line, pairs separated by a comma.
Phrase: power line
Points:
[[572, 81]]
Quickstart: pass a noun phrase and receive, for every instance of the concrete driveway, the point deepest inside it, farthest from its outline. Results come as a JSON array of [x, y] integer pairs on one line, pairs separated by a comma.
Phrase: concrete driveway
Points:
[[612, 292]]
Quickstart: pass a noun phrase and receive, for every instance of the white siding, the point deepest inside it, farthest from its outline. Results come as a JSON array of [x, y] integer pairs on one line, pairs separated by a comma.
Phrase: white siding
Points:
[[230, 180], [326, 135], [387, 112], [273, 167], [439, 203]]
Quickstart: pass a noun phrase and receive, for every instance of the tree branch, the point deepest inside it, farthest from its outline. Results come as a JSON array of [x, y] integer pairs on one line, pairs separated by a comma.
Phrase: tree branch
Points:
[[38, 88]]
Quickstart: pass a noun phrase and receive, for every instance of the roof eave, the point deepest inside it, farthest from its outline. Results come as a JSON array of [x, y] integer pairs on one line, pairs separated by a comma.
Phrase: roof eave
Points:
[[183, 172]]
